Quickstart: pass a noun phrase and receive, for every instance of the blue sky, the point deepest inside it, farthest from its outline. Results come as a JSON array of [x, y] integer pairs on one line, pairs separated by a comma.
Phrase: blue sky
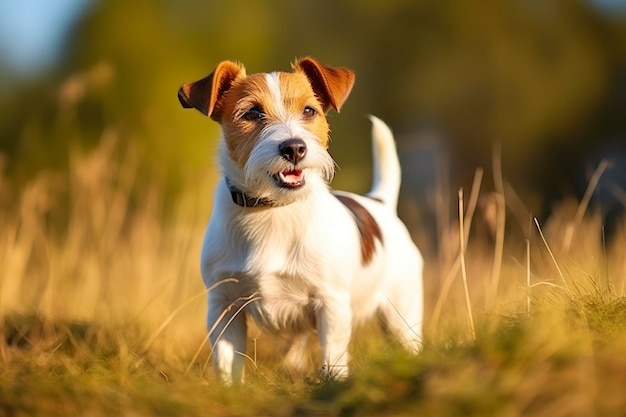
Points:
[[32, 31]]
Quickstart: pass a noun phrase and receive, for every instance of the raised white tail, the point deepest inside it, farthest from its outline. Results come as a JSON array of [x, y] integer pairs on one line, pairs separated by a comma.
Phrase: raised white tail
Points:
[[387, 174]]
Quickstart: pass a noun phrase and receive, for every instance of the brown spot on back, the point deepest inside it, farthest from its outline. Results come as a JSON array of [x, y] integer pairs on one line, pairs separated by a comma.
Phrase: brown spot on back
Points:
[[368, 228]]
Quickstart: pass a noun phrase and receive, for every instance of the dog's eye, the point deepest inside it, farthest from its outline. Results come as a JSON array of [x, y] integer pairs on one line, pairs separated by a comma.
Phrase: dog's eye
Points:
[[309, 112], [255, 113]]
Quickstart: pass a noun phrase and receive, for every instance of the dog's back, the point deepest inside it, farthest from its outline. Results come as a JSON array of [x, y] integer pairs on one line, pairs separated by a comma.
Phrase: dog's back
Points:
[[399, 302]]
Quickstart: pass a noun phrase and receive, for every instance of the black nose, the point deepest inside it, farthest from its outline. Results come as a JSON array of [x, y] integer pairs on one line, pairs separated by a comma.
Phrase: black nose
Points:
[[293, 150]]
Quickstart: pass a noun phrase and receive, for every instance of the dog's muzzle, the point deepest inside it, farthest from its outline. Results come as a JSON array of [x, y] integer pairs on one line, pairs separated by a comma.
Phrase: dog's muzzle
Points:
[[294, 151]]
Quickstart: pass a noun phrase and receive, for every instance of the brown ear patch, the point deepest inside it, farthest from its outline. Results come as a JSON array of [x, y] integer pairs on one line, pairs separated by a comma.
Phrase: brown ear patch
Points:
[[206, 94], [331, 85], [368, 228]]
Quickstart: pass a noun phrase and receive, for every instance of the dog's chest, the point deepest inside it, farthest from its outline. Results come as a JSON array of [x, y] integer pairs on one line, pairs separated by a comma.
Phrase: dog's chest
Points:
[[283, 242], [284, 264]]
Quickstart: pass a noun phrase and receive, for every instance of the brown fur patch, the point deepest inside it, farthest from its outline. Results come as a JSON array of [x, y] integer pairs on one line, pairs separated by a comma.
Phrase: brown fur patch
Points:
[[368, 228]]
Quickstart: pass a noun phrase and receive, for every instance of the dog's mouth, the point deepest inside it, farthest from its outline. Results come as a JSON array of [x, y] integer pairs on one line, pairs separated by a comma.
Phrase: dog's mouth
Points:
[[290, 179]]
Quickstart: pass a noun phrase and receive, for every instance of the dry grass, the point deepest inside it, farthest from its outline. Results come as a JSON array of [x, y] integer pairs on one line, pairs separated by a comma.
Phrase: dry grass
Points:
[[96, 245], [102, 313]]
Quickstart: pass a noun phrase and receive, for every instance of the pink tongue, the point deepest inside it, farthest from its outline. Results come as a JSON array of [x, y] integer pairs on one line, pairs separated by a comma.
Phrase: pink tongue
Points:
[[292, 176]]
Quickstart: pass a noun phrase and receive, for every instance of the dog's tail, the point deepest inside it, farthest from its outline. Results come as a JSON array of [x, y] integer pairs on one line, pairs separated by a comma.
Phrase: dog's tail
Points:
[[387, 174]]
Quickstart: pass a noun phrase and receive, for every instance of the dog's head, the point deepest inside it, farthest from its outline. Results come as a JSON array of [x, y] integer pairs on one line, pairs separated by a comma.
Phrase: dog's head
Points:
[[274, 125]]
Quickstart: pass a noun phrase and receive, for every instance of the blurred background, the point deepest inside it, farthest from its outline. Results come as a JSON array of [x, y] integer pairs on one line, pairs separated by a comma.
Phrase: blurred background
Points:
[[538, 86]]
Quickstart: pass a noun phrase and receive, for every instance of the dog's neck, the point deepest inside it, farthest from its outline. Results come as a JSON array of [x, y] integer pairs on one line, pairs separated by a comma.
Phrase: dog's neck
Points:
[[243, 200]]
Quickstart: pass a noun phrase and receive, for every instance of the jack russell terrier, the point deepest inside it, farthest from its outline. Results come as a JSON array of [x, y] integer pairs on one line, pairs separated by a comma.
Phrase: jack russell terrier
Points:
[[280, 246]]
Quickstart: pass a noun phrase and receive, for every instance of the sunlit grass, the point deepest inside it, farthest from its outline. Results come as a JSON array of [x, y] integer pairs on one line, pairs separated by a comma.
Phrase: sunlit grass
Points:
[[102, 313]]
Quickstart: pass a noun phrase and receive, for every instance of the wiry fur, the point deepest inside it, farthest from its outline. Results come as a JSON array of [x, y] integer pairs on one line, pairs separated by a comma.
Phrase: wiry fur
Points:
[[298, 263]]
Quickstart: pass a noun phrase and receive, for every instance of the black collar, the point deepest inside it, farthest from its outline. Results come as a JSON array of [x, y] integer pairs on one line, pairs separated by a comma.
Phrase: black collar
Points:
[[243, 200]]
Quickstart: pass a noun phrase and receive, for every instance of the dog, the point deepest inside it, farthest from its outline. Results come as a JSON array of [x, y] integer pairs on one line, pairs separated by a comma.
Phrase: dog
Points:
[[282, 247]]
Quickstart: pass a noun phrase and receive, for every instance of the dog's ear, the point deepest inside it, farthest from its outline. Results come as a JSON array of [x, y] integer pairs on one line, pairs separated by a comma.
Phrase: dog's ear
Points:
[[206, 94], [331, 85]]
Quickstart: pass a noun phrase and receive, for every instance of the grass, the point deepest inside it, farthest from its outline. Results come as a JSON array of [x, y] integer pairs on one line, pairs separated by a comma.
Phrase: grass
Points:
[[102, 313]]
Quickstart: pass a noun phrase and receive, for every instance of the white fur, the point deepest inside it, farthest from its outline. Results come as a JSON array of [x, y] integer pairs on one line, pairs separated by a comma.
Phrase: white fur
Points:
[[387, 175], [273, 82], [300, 262]]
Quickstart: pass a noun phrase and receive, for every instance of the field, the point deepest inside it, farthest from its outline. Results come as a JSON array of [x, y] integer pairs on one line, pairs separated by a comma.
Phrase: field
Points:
[[102, 313]]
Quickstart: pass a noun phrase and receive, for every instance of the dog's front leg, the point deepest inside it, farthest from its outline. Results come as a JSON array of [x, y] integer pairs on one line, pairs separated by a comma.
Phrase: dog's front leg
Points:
[[334, 326], [227, 326]]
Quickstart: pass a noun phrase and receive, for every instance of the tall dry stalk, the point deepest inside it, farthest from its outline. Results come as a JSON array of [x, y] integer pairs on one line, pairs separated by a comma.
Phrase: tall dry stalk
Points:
[[584, 204], [454, 269], [498, 182], [556, 264], [468, 302], [528, 277]]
